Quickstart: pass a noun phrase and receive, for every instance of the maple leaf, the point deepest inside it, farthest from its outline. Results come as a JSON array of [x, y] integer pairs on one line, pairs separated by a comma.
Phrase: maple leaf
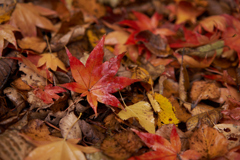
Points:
[[27, 17], [163, 149], [143, 112], [97, 79], [209, 23], [52, 61], [49, 93], [185, 11], [6, 33]]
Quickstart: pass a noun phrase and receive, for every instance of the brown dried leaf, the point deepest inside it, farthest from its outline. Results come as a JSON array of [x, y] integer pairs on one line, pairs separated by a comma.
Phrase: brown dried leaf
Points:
[[34, 43], [203, 90], [183, 84], [121, 145], [200, 108], [208, 142], [210, 118], [90, 133]]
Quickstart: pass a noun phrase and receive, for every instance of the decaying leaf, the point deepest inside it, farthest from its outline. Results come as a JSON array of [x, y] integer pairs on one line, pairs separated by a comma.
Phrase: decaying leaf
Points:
[[166, 115], [143, 112], [231, 132], [121, 145], [200, 108], [31, 77], [210, 118], [20, 84], [141, 73], [208, 142], [203, 90], [69, 128]]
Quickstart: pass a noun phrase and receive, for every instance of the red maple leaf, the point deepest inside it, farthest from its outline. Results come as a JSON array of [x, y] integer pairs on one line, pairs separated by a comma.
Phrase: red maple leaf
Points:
[[96, 79], [48, 93], [163, 149]]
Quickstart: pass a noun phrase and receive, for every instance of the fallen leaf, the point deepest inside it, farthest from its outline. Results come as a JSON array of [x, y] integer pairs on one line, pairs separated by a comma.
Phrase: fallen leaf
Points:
[[90, 133], [200, 108], [191, 62], [163, 149], [121, 145], [208, 142], [69, 128], [90, 6], [52, 61], [143, 112], [6, 32], [60, 149], [27, 17], [231, 132], [154, 103], [35, 43], [209, 23], [166, 115], [209, 118], [20, 85], [185, 11], [233, 113], [96, 79], [48, 93], [142, 74], [203, 90]]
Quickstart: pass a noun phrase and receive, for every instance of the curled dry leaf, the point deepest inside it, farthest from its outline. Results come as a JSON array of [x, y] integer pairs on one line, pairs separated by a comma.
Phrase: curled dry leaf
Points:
[[183, 84], [20, 85], [16, 98], [231, 132], [203, 90], [210, 118], [69, 127], [6, 32], [209, 23], [143, 112], [208, 142], [200, 108]]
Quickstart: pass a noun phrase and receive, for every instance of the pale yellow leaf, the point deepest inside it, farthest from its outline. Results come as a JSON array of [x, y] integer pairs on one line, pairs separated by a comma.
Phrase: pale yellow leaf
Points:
[[143, 112], [52, 61], [153, 102]]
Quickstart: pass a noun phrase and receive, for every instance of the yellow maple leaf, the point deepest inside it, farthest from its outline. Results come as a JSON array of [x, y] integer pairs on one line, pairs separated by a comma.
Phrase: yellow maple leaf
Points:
[[51, 61], [143, 112], [166, 115]]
